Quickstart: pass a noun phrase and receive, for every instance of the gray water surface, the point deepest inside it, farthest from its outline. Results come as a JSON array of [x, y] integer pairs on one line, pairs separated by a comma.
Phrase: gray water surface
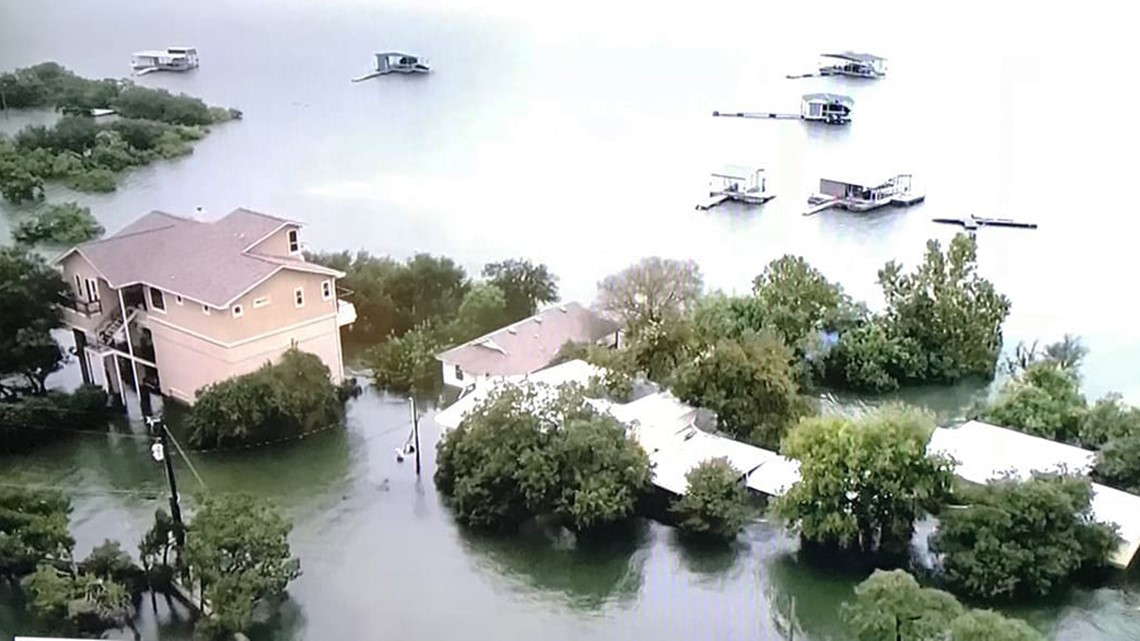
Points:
[[580, 135]]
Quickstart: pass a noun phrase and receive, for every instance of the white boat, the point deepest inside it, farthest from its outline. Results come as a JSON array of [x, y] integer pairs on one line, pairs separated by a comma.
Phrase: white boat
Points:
[[170, 59]]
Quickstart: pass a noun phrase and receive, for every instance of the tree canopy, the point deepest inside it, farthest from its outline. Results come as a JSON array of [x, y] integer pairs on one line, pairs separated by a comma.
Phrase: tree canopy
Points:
[[891, 605], [484, 308], [32, 295], [527, 451], [238, 552], [749, 384], [650, 291], [863, 482], [33, 528], [1021, 539], [716, 504], [798, 300], [942, 323], [407, 363], [60, 224], [525, 286], [289, 398]]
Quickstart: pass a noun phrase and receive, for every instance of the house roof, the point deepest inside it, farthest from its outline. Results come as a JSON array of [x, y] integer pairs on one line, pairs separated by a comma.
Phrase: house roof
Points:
[[834, 98], [209, 262], [530, 344], [854, 56]]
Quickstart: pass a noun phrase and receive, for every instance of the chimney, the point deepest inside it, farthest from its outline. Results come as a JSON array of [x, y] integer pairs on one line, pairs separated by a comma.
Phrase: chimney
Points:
[[200, 213]]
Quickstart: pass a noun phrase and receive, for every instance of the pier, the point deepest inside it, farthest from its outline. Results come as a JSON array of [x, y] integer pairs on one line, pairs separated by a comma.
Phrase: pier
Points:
[[974, 223]]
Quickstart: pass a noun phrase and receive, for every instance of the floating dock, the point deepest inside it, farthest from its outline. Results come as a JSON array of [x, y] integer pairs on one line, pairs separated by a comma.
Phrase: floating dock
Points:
[[829, 108], [739, 183], [977, 222], [865, 194]]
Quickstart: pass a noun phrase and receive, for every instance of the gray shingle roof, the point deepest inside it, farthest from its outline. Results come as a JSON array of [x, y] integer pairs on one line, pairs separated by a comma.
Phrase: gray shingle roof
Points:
[[209, 262], [530, 344]]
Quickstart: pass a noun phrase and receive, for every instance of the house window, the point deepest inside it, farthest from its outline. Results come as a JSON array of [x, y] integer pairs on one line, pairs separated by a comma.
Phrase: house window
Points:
[[92, 290], [294, 242], [326, 290], [206, 309], [78, 287], [238, 311], [458, 373], [299, 297], [177, 299], [258, 303], [156, 301]]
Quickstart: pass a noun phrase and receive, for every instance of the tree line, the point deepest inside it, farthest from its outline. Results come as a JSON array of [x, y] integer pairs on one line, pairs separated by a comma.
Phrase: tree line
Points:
[[236, 555], [411, 310], [84, 154]]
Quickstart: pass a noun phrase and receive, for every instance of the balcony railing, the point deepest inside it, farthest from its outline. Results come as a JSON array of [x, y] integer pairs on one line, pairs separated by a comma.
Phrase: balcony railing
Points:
[[85, 307]]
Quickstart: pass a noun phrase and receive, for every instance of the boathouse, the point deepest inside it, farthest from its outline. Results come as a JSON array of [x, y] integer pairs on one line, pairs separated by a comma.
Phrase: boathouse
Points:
[[831, 108], [867, 192], [172, 59], [853, 64]]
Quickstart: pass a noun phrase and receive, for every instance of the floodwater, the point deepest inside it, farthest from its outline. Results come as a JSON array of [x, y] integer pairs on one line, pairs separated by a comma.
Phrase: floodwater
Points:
[[580, 135]]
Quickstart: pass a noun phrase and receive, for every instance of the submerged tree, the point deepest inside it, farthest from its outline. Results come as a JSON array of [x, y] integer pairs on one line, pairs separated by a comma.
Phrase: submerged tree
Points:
[[716, 503], [60, 224], [863, 482], [33, 529], [1022, 539], [238, 552], [750, 385], [32, 295]]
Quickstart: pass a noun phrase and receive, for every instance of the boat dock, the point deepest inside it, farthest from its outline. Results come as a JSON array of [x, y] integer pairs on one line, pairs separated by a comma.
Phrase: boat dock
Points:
[[828, 108], [976, 222], [865, 194], [822, 206], [739, 183]]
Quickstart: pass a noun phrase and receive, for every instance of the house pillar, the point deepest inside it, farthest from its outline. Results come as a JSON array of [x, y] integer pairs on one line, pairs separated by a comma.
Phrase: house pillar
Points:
[[119, 380], [130, 347], [81, 352]]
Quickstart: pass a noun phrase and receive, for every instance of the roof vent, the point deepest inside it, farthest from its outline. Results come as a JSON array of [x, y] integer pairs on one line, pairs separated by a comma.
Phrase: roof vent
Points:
[[512, 330], [562, 308], [538, 319]]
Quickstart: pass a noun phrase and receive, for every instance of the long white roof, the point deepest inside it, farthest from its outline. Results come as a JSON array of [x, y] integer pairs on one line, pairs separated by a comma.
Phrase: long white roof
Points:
[[985, 452]]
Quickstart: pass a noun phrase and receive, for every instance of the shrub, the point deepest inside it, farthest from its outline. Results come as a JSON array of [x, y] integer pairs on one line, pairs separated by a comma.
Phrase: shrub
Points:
[[716, 504], [293, 397], [62, 224], [30, 420]]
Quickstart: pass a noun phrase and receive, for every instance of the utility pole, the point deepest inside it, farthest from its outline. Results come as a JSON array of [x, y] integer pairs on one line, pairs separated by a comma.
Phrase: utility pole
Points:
[[416, 433], [159, 451]]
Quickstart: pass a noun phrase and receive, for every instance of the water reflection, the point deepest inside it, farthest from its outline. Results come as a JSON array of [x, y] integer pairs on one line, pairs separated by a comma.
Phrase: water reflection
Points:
[[807, 597], [711, 561], [583, 573]]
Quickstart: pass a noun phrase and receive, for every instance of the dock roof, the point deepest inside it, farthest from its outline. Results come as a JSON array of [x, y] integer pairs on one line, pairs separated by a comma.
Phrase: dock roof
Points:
[[739, 171], [854, 56], [833, 98]]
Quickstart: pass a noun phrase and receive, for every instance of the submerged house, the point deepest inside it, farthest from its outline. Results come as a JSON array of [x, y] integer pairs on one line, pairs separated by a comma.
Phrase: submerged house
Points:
[[525, 346], [171, 304]]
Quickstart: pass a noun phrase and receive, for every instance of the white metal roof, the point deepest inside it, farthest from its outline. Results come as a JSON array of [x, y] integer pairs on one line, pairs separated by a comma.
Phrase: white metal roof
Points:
[[775, 475], [671, 464], [741, 172], [578, 371], [985, 452], [158, 53]]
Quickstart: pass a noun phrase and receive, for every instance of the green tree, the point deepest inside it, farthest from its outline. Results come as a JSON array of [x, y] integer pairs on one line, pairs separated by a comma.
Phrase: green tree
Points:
[[159, 540], [1108, 419], [33, 529], [527, 451], [863, 482], [660, 347], [370, 278], [716, 504], [797, 299], [109, 562], [987, 625], [19, 179], [950, 314], [60, 224], [651, 290], [82, 603], [32, 295], [292, 397], [525, 286], [496, 465], [1044, 400], [1021, 539], [601, 472], [891, 606], [1118, 464], [428, 289], [750, 385], [407, 363], [484, 308], [719, 315], [238, 552]]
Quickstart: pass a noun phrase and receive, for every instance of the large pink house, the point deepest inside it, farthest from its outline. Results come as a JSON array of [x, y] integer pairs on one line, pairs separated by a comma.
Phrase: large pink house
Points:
[[185, 303]]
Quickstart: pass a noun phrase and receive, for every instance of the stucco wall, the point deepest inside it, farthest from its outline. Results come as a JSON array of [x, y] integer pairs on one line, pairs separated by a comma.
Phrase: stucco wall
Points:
[[187, 363], [278, 243], [76, 264], [222, 326]]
